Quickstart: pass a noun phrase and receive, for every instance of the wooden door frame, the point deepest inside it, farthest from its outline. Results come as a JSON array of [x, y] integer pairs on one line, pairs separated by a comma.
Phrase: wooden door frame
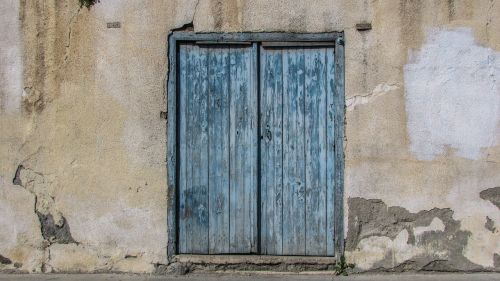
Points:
[[335, 38]]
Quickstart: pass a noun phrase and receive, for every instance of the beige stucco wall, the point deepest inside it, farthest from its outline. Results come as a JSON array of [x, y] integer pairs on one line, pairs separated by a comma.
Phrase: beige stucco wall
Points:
[[80, 124]]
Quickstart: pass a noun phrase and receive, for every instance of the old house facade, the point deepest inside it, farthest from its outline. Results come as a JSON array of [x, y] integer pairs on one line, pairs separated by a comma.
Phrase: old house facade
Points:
[[142, 136]]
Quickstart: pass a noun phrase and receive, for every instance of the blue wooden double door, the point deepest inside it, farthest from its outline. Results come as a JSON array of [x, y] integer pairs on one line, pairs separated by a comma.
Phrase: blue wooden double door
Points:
[[256, 150]]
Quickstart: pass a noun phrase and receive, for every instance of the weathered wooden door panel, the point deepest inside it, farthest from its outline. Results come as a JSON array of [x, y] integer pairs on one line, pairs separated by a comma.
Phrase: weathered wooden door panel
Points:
[[218, 127], [218, 142], [219, 157], [271, 104], [243, 146], [297, 171], [193, 180]]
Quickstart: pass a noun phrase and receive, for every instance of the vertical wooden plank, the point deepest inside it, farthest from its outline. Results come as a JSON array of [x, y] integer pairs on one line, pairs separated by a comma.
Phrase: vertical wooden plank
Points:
[[198, 147], [271, 151], [294, 180], [315, 133], [243, 152], [339, 146], [194, 197], [254, 135], [218, 139], [172, 151], [330, 154], [183, 113]]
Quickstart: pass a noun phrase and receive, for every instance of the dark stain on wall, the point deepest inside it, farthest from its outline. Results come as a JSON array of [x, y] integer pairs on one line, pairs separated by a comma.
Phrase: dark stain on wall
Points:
[[4, 260], [451, 10], [372, 217], [218, 12], [17, 176], [410, 12], [490, 225], [492, 195], [225, 14], [55, 232]]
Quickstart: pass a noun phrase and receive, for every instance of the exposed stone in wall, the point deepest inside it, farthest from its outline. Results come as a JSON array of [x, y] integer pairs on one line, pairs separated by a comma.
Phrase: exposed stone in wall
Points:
[[393, 239]]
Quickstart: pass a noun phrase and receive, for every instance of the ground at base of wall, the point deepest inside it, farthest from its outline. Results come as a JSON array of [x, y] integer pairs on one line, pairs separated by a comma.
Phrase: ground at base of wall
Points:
[[251, 277]]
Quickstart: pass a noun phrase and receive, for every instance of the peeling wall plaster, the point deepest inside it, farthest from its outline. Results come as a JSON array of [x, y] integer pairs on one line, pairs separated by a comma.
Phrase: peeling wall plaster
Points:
[[11, 64], [390, 238], [472, 211], [379, 90], [452, 95]]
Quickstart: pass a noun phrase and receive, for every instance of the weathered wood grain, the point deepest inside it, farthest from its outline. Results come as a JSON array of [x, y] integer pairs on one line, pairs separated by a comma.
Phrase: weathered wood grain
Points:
[[299, 141], [271, 132], [243, 152], [315, 150], [294, 179], [194, 186], [339, 146], [218, 139], [330, 154]]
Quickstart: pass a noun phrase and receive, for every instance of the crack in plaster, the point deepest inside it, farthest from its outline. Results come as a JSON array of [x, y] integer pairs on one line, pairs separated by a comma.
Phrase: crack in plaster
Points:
[[195, 10], [488, 20], [70, 28], [378, 91]]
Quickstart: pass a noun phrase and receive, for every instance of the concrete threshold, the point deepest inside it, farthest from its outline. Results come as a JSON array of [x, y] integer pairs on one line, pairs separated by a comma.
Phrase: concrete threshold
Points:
[[254, 263], [254, 259]]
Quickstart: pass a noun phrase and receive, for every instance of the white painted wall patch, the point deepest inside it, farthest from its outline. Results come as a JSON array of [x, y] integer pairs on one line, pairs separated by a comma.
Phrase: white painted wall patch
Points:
[[452, 95]]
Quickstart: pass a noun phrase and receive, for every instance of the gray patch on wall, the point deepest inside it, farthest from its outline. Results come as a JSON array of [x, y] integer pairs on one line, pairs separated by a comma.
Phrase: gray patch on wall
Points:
[[55, 233], [490, 225], [492, 195], [372, 217]]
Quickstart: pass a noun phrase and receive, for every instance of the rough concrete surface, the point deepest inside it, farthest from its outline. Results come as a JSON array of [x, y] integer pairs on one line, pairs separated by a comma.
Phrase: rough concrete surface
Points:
[[263, 277], [83, 144]]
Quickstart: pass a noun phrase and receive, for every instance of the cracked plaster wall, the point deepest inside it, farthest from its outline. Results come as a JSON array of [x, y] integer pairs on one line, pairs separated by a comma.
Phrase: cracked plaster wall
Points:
[[80, 112]]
